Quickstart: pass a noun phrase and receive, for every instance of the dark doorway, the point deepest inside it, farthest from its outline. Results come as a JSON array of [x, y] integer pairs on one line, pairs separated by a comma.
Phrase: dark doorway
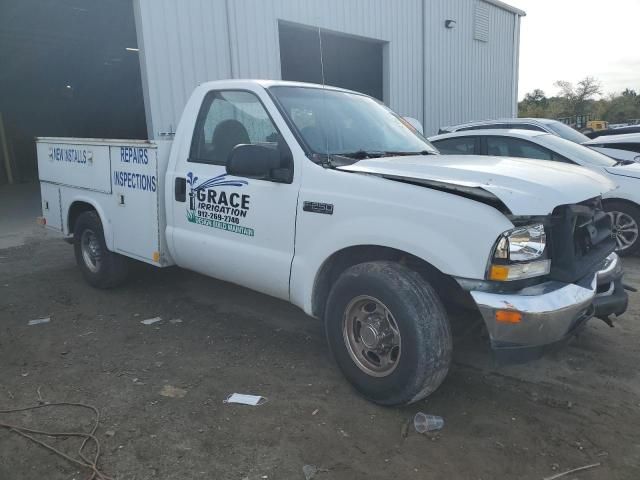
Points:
[[66, 71], [350, 62]]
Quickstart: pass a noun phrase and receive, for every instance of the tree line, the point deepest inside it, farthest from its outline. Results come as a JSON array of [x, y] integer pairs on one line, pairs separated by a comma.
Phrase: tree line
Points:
[[584, 98]]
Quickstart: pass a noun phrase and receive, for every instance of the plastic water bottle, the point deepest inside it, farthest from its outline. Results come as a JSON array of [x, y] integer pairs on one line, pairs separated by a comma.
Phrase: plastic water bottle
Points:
[[427, 423]]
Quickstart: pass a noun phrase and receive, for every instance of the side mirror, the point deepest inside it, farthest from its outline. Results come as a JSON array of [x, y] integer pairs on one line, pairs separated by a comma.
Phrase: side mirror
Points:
[[415, 124], [262, 162]]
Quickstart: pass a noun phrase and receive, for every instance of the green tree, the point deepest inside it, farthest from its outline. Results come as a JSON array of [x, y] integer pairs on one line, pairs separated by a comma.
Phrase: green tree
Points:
[[534, 104], [578, 98], [582, 99], [619, 108], [537, 97]]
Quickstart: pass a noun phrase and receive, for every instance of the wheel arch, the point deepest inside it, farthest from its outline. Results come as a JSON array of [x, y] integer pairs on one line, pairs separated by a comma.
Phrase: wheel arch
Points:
[[80, 205], [606, 201], [450, 292]]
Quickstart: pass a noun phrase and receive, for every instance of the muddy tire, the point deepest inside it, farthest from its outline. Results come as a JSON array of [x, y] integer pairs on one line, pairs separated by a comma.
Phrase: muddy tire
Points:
[[100, 267], [625, 219], [388, 332]]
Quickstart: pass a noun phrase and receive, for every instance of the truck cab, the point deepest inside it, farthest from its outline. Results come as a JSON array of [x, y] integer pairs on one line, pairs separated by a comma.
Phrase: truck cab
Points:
[[328, 199]]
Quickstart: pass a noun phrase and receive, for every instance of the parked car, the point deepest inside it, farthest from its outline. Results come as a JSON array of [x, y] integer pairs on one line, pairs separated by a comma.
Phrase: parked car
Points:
[[614, 131], [619, 147], [553, 127], [327, 199], [623, 204]]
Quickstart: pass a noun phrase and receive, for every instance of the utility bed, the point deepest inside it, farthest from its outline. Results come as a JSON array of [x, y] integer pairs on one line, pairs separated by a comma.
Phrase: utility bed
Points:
[[122, 179]]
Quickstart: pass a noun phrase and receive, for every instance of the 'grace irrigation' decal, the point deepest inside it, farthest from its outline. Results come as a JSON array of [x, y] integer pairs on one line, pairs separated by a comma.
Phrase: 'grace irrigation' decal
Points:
[[212, 204]]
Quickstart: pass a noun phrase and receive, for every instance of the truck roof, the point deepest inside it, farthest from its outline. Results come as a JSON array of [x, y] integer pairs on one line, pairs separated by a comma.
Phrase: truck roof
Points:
[[272, 83]]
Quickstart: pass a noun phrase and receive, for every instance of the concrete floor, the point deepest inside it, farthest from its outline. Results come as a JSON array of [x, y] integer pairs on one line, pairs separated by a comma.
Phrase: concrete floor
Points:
[[19, 207]]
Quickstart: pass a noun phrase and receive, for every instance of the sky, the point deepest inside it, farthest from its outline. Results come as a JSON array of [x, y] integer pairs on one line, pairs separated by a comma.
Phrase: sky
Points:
[[571, 39]]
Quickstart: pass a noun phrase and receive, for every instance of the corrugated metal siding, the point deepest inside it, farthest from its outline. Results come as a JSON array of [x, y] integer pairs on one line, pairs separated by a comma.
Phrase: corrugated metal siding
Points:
[[182, 45], [467, 79], [455, 77]]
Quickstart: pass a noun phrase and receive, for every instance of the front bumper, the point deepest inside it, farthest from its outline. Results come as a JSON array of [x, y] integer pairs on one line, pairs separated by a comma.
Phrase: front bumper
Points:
[[611, 297], [551, 312]]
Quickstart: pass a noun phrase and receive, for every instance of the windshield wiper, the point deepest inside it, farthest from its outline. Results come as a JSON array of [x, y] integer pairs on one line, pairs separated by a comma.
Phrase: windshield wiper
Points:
[[334, 160], [360, 154], [363, 154], [399, 154]]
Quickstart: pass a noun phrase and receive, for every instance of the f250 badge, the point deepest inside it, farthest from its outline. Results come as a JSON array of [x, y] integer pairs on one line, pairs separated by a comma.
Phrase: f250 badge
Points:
[[318, 207], [213, 205]]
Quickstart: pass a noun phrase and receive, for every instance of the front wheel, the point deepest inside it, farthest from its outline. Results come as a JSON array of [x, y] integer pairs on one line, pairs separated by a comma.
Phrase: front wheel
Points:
[[625, 223], [100, 267], [388, 332]]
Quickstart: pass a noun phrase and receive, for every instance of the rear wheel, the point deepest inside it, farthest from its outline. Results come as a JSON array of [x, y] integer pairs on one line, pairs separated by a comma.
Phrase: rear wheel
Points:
[[388, 332], [625, 223], [100, 267]]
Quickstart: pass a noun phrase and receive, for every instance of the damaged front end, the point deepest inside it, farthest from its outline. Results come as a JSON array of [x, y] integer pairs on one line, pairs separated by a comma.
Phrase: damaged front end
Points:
[[527, 317], [550, 273]]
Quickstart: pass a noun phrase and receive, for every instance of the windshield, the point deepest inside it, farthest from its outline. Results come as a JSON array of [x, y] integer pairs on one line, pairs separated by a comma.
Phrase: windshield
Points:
[[578, 153], [334, 123], [565, 131]]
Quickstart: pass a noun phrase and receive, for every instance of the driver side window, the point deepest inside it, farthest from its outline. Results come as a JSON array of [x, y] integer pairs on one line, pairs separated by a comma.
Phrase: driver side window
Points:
[[227, 119]]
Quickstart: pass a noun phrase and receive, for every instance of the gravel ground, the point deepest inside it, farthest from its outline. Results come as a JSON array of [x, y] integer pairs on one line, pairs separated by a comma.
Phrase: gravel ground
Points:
[[576, 407]]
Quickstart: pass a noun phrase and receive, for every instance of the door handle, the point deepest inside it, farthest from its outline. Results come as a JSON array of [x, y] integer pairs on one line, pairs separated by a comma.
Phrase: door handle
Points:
[[180, 189]]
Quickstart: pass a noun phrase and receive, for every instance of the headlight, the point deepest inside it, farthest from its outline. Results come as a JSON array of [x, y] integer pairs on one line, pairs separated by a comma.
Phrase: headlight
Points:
[[520, 253]]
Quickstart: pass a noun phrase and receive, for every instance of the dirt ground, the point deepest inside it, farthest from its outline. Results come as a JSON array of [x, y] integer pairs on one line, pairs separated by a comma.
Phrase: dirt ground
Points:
[[576, 407]]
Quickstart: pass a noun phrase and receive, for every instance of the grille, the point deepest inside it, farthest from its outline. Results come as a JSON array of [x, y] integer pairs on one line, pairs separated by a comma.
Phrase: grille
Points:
[[580, 239]]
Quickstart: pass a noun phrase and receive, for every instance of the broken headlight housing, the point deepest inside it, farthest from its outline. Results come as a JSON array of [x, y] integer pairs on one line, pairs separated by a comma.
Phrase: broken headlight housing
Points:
[[520, 253]]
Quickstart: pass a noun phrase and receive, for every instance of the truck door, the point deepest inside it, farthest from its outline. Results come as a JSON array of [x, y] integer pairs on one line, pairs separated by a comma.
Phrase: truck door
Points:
[[236, 229]]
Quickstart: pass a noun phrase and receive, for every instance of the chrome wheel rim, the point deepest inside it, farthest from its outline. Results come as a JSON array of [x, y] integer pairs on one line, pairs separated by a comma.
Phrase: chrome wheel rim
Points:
[[372, 336], [624, 230], [91, 251]]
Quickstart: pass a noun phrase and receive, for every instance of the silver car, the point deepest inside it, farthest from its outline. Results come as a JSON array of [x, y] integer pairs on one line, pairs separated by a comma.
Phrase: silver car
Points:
[[547, 125]]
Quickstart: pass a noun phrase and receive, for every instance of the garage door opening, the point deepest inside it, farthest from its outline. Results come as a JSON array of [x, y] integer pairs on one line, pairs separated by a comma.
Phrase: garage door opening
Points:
[[356, 63], [69, 68]]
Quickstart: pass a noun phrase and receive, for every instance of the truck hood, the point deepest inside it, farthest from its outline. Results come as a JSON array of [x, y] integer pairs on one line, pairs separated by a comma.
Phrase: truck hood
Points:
[[631, 170], [525, 187]]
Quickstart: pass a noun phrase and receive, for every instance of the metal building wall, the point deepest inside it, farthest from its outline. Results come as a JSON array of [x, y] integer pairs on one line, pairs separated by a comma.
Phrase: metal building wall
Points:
[[468, 79], [434, 74], [182, 44], [256, 51]]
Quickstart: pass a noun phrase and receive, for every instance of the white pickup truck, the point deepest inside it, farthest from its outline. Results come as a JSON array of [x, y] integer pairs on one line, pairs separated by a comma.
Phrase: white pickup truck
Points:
[[329, 200]]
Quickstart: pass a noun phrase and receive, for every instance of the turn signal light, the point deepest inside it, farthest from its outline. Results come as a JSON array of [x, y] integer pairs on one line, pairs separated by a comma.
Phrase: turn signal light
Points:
[[519, 271], [41, 221], [508, 316], [499, 273]]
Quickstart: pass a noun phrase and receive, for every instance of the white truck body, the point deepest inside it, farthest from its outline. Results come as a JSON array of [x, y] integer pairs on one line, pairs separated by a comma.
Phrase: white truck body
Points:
[[122, 179], [159, 204]]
